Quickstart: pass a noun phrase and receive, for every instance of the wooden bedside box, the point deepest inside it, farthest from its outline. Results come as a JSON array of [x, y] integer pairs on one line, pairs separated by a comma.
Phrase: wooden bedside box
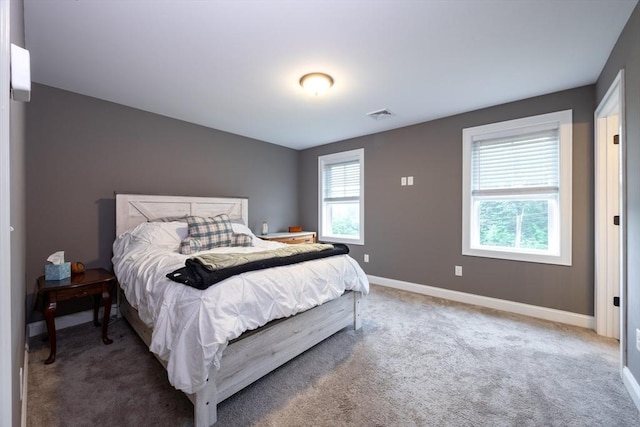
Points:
[[291, 238]]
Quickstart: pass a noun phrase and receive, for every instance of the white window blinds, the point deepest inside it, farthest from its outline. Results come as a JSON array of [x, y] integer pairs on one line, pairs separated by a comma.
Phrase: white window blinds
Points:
[[341, 181], [528, 163]]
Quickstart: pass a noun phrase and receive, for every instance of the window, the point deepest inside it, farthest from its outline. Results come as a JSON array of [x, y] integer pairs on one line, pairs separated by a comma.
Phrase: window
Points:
[[516, 194], [341, 194]]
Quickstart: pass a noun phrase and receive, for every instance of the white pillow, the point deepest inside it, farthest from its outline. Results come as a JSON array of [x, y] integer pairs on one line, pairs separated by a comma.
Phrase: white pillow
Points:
[[167, 235], [241, 228]]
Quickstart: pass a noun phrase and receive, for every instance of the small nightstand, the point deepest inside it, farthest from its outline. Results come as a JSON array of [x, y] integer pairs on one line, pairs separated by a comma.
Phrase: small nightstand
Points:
[[94, 282], [291, 238]]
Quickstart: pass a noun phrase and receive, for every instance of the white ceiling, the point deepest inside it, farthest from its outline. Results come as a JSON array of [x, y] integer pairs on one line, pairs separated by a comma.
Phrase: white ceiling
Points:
[[235, 65]]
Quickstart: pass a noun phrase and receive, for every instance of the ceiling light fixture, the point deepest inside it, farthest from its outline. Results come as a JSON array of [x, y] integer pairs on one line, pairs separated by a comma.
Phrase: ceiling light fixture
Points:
[[316, 83]]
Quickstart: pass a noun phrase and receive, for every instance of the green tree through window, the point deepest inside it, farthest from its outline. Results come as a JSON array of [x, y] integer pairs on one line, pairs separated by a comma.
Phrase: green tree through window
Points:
[[514, 224]]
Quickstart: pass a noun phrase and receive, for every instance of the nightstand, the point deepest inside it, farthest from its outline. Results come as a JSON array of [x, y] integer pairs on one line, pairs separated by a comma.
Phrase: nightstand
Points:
[[94, 282], [291, 238]]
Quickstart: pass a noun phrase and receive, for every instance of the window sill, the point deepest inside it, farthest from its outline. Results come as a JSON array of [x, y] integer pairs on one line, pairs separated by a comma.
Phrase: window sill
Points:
[[518, 256]]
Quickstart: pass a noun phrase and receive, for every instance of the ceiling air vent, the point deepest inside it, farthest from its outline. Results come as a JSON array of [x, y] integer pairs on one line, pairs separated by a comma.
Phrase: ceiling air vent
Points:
[[380, 114]]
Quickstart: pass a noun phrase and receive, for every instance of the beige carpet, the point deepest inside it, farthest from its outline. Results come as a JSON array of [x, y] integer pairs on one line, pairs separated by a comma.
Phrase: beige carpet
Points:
[[417, 361]]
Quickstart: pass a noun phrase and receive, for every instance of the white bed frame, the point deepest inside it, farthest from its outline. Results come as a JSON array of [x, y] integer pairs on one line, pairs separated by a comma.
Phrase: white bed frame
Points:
[[255, 353]]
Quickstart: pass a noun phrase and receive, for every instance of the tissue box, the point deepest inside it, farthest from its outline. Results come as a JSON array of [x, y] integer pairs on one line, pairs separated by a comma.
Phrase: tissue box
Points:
[[57, 272]]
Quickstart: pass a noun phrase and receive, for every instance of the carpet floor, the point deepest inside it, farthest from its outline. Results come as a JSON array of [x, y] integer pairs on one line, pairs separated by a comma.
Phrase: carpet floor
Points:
[[417, 361]]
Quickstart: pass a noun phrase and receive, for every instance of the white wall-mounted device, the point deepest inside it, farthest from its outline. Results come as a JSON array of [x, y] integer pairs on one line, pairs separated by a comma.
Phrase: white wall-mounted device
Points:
[[20, 74]]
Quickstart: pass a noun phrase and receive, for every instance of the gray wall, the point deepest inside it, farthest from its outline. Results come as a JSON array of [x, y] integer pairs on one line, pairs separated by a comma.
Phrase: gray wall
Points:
[[626, 54], [81, 149], [414, 233], [17, 173]]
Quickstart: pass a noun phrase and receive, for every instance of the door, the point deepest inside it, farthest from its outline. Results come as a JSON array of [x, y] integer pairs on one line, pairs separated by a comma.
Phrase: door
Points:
[[612, 202]]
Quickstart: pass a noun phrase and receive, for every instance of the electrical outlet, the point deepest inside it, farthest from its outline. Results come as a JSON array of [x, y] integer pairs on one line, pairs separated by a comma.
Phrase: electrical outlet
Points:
[[403, 180], [410, 180], [458, 270], [366, 257], [638, 339]]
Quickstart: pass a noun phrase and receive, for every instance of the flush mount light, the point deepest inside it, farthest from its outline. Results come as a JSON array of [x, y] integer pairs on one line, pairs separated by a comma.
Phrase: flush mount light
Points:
[[316, 83]]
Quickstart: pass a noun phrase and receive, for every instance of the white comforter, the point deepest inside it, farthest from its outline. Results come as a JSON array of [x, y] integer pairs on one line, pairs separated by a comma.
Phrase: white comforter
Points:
[[191, 328]]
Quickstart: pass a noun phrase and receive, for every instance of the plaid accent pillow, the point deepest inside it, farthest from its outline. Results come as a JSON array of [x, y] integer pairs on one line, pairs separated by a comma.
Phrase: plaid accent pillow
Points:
[[207, 233], [190, 245], [239, 239]]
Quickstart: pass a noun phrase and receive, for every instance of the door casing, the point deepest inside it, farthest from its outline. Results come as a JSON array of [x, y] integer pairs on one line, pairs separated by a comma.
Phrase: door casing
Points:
[[609, 320]]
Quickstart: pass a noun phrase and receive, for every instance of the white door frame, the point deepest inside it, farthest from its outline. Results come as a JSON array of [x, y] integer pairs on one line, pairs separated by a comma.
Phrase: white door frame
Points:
[[6, 378], [607, 320]]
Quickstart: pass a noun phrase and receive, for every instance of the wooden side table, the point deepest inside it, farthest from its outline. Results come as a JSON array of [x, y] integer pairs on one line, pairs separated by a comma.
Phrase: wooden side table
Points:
[[291, 238], [94, 281]]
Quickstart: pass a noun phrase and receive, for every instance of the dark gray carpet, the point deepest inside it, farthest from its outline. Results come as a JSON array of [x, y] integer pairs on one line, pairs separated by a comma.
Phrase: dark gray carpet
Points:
[[417, 361]]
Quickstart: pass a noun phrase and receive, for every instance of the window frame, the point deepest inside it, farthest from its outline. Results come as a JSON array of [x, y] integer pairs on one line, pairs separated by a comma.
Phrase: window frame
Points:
[[561, 120], [357, 154]]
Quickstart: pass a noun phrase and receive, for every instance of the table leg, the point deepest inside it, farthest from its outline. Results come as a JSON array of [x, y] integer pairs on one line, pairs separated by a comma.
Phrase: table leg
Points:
[[106, 299], [96, 307], [49, 313]]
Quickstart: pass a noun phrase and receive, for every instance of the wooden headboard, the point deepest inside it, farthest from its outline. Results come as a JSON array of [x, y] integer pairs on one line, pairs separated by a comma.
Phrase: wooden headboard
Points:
[[134, 209]]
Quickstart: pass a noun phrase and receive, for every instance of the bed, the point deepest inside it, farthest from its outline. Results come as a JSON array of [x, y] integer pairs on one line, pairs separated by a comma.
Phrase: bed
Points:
[[212, 347]]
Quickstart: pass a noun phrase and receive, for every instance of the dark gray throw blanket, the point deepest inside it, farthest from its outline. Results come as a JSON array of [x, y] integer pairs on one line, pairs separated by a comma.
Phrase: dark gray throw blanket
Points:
[[200, 276]]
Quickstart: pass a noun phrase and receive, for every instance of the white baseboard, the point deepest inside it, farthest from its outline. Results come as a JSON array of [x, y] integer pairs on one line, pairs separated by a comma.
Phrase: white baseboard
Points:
[[40, 327], [632, 386], [545, 313], [23, 387]]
